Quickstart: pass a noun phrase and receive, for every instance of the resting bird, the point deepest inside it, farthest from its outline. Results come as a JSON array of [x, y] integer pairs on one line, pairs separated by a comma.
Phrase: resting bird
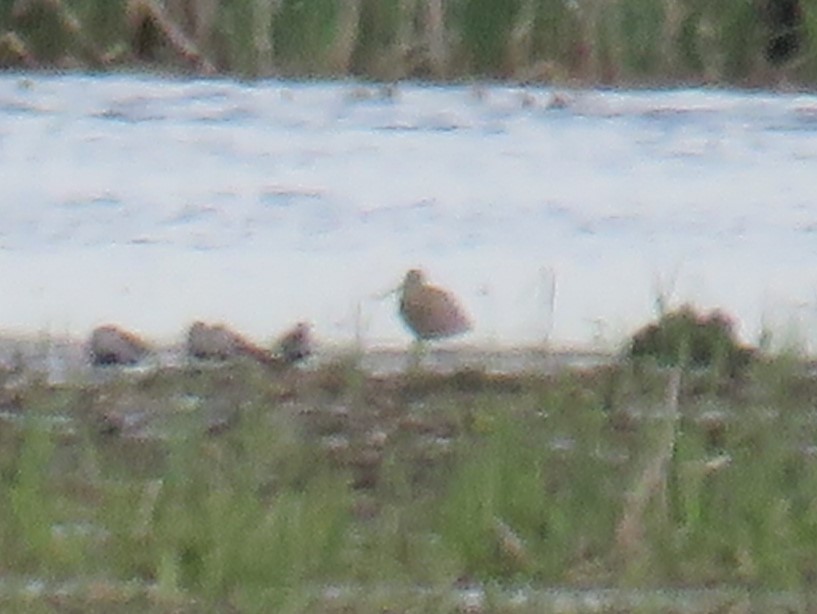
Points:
[[217, 342], [295, 345], [430, 312], [110, 345]]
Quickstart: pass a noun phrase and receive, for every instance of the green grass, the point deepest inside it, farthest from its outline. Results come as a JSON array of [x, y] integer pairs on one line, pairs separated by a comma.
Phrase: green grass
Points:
[[338, 491], [589, 41]]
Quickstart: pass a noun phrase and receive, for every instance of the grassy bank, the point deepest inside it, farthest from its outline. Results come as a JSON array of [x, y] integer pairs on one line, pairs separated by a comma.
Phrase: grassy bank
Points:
[[195, 489], [747, 42]]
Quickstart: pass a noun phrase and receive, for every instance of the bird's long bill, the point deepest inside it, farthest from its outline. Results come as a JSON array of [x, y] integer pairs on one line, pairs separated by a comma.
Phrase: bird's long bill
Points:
[[384, 295]]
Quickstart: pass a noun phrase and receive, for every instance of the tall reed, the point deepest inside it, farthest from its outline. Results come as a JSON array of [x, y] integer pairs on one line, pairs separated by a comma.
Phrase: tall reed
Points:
[[591, 41]]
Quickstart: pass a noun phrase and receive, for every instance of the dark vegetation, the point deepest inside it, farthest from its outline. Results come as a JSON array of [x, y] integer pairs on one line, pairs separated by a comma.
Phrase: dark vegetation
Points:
[[687, 338], [744, 42]]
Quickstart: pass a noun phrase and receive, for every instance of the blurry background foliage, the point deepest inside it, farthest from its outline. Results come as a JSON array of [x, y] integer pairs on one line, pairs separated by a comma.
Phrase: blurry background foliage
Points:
[[745, 42]]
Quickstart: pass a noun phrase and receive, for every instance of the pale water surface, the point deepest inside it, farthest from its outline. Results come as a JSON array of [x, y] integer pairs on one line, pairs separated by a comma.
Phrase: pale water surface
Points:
[[152, 201]]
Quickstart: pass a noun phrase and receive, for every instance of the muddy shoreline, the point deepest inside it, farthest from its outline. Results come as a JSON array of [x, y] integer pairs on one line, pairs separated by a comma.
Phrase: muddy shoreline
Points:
[[62, 358]]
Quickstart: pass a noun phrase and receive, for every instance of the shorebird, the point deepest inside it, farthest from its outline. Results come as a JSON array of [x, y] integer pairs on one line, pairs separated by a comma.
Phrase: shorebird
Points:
[[295, 345], [110, 345], [430, 312], [217, 342]]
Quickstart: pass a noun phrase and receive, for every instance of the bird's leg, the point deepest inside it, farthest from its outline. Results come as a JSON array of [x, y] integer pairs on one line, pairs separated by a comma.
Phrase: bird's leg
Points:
[[416, 353]]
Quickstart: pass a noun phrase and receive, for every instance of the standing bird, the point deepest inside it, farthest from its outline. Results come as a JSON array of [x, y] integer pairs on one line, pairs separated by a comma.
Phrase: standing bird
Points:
[[295, 345], [430, 312]]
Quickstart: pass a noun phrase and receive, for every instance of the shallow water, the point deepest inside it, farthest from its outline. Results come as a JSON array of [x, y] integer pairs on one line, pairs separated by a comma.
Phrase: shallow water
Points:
[[151, 201]]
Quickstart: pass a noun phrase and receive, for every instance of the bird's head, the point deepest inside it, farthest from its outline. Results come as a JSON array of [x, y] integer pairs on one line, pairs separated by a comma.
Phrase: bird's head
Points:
[[413, 279]]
